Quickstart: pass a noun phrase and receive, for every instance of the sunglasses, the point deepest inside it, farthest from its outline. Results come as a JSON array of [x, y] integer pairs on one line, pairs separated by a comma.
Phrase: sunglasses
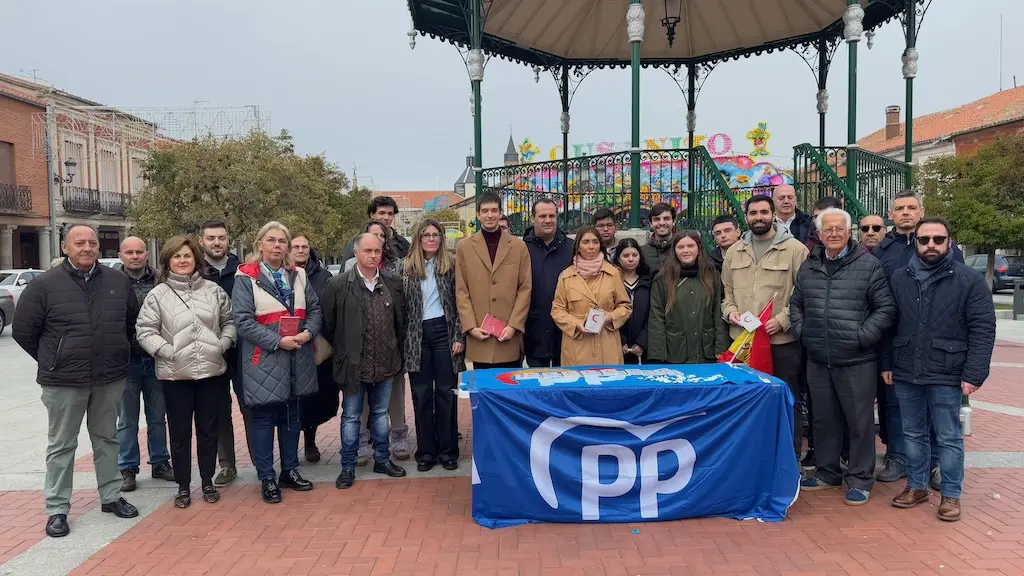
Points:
[[873, 228], [938, 240]]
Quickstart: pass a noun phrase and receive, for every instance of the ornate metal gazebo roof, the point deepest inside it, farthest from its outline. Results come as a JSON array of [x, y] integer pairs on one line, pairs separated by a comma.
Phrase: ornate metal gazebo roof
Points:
[[592, 33]]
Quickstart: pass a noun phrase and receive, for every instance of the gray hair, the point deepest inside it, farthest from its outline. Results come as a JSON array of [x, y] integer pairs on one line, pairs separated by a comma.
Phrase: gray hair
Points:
[[906, 194], [359, 240], [830, 212]]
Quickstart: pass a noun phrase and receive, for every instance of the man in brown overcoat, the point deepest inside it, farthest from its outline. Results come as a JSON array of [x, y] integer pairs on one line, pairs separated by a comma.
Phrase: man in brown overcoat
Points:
[[492, 276]]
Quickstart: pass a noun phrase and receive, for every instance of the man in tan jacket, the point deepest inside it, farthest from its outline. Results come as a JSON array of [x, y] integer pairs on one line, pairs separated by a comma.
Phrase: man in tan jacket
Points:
[[762, 267], [492, 276]]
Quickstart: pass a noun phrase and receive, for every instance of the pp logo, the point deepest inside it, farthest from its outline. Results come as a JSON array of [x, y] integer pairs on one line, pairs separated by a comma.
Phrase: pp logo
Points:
[[630, 470]]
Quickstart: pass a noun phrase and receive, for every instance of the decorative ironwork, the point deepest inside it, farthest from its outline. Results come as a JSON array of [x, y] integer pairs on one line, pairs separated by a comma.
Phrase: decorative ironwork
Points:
[[920, 9], [678, 74], [812, 56], [817, 174], [576, 77], [114, 203], [78, 199], [879, 181], [15, 199], [584, 184]]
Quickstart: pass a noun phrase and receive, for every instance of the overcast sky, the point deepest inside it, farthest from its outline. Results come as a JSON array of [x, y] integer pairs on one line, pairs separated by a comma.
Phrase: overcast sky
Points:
[[340, 76]]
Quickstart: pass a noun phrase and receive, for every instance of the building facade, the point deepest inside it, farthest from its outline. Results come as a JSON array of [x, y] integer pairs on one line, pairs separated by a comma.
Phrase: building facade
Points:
[[24, 196]]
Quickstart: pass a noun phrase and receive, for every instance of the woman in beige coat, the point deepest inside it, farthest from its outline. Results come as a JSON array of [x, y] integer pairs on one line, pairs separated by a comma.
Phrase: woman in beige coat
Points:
[[591, 283], [185, 323]]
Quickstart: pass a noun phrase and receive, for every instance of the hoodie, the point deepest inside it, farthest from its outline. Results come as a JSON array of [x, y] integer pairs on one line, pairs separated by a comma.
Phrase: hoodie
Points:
[[749, 286]]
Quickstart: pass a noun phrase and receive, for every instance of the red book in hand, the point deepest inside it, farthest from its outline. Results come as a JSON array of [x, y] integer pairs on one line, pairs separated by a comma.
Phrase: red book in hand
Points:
[[289, 326], [492, 325]]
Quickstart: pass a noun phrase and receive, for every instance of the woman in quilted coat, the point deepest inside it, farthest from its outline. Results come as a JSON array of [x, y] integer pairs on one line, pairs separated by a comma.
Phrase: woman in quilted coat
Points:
[[278, 317], [185, 323]]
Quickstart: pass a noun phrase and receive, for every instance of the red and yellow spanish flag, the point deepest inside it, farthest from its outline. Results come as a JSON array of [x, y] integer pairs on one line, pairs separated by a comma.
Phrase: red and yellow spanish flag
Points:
[[753, 348]]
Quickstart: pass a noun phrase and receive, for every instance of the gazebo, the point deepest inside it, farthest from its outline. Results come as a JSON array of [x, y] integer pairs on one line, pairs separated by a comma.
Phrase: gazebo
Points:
[[687, 39]]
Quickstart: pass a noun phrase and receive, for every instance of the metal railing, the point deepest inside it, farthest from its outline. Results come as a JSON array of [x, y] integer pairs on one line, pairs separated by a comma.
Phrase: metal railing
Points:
[[585, 184], [879, 181], [114, 203], [15, 199], [78, 199], [866, 182], [818, 173]]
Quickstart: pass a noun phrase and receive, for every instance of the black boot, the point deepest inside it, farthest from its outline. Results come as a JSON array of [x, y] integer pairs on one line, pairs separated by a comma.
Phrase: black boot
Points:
[[271, 492], [312, 452]]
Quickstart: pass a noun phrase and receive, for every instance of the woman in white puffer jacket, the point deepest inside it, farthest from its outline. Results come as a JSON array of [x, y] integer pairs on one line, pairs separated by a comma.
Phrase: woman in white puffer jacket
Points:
[[186, 324]]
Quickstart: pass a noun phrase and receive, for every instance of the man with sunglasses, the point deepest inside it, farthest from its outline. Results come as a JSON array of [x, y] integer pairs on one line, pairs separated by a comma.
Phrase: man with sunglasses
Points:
[[941, 348], [895, 251], [872, 230]]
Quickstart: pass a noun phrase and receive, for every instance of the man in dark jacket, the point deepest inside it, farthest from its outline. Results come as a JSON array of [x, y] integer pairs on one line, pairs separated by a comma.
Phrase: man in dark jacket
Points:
[[659, 247], [726, 232], [221, 266], [382, 209], [941, 348], [895, 251], [141, 381], [77, 321], [797, 223], [322, 406], [550, 254], [364, 319], [841, 308]]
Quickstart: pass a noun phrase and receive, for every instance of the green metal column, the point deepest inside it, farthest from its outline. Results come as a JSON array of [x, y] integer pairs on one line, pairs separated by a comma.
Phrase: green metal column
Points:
[[476, 70], [909, 73], [564, 125], [635, 29], [691, 126], [854, 28]]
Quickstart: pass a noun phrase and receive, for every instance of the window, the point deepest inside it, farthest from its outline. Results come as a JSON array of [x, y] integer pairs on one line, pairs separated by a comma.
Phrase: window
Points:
[[110, 173], [75, 151], [138, 174], [6, 163]]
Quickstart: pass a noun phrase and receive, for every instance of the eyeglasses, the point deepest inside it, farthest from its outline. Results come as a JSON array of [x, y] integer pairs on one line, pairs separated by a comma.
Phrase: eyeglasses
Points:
[[873, 228], [833, 232], [938, 240], [605, 225], [430, 235]]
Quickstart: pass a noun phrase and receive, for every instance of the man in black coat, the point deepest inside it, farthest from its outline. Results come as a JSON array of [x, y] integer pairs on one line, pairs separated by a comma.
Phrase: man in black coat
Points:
[[840, 310], [941, 348], [726, 231], [550, 254], [382, 209], [895, 251], [77, 322]]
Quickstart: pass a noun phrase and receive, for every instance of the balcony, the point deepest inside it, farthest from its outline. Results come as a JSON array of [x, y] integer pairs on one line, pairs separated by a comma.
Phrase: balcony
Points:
[[15, 199], [90, 201]]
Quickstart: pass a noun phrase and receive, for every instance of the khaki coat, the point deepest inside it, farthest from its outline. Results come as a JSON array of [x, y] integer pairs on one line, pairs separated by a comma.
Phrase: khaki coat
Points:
[[501, 289], [574, 299]]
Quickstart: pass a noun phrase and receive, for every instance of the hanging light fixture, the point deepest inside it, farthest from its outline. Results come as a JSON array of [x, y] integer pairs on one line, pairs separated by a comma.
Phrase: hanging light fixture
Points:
[[536, 74], [673, 16]]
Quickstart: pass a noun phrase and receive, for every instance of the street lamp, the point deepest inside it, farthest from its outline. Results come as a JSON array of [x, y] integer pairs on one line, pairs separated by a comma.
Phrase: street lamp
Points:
[[70, 165], [673, 16]]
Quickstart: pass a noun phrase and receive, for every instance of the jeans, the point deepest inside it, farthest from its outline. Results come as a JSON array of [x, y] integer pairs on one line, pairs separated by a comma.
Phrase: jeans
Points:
[[142, 380], [378, 396], [66, 406], [285, 418], [936, 408], [199, 401], [433, 397], [897, 437]]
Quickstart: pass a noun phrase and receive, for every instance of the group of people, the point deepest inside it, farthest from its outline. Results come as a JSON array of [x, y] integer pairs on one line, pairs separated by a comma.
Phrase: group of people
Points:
[[896, 316]]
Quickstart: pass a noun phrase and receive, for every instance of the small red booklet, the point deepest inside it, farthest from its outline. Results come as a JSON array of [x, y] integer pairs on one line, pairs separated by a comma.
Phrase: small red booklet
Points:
[[492, 325], [289, 326]]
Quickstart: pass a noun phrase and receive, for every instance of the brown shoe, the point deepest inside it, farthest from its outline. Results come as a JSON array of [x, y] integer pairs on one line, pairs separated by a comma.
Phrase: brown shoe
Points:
[[128, 483], [949, 509], [910, 498]]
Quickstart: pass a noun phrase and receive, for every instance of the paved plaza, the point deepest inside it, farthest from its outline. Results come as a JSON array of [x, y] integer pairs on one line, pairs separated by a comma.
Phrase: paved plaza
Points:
[[422, 524]]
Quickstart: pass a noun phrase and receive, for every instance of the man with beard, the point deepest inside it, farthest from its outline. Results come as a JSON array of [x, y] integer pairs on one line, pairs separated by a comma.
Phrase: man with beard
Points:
[[221, 266], [550, 254], [941, 348], [760, 268], [659, 248], [726, 231], [322, 406], [895, 251]]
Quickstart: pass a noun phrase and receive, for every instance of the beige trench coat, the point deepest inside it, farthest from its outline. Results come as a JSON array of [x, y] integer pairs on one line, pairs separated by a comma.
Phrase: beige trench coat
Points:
[[574, 299], [501, 289]]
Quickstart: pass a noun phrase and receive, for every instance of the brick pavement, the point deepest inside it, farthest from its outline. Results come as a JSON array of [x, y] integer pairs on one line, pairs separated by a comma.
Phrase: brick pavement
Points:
[[424, 526]]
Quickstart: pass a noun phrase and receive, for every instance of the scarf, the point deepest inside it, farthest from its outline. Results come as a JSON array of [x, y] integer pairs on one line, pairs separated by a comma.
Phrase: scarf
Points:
[[588, 269], [688, 271]]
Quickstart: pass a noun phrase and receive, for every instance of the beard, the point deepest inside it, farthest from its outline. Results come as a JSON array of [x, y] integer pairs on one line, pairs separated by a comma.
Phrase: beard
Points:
[[760, 227], [931, 257]]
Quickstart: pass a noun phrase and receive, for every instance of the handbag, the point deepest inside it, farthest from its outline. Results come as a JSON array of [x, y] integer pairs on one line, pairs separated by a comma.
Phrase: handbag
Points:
[[322, 350]]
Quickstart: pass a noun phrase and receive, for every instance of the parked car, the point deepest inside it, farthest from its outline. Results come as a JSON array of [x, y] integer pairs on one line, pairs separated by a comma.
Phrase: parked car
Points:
[[6, 309], [15, 280], [1007, 269], [114, 263], [334, 269]]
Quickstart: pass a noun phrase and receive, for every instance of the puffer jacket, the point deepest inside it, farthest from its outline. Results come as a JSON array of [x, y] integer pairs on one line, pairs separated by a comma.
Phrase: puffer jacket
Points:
[[840, 317], [185, 323], [271, 375], [749, 286]]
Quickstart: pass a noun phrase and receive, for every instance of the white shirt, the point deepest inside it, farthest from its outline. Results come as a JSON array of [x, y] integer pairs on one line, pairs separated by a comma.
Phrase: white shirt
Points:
[[371, 283], [786, 223]]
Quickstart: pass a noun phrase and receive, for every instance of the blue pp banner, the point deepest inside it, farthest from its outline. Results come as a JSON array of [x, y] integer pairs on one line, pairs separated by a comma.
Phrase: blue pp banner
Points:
[[630, 444]]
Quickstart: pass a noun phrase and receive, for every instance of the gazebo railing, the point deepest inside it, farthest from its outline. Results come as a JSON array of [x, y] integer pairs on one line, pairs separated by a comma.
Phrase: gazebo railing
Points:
[[585, 184], [879, 181]]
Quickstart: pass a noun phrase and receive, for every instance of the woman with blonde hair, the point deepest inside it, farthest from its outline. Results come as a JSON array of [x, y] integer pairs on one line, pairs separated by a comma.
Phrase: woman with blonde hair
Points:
[[185, 323], [278, 316], [434, 345], [590, 284]]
